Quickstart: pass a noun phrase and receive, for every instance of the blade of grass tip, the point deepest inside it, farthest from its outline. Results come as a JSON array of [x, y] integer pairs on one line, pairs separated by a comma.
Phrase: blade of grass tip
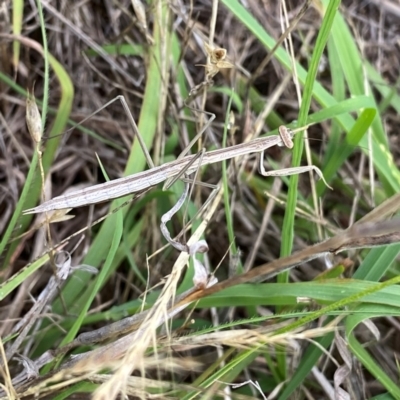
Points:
[[17, 16], [290, 211], [136, 163]]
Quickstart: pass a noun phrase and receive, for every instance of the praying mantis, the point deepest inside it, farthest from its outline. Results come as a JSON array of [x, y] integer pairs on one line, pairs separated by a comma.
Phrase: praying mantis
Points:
[[146, 179]]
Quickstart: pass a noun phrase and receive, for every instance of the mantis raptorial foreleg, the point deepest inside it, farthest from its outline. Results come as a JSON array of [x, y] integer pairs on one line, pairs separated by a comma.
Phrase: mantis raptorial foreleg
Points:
[[200, 274], [286, 136], [291, 171]]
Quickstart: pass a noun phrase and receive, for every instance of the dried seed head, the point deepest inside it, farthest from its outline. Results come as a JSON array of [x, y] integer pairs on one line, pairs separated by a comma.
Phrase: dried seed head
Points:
[[140, 13], [219, 55], [217, 61], [216, 54], [33, 118]]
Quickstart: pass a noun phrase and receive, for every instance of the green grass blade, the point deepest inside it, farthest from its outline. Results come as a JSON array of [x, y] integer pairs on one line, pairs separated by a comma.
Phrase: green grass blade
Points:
[[288, 222], [11, 284], [287, 295], [376, 264], [290, 212]]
